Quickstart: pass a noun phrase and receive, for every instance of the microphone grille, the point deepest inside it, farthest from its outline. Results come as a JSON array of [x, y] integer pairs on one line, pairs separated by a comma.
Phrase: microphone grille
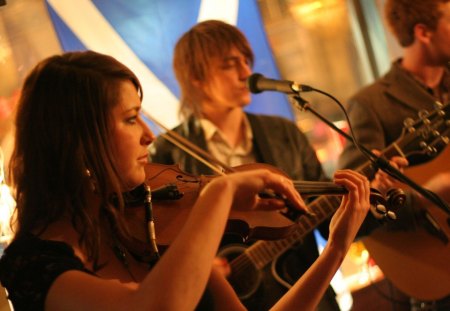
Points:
[[252, 83]]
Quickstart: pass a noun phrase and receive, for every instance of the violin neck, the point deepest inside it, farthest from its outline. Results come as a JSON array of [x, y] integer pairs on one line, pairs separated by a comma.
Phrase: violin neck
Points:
[[319, 188]]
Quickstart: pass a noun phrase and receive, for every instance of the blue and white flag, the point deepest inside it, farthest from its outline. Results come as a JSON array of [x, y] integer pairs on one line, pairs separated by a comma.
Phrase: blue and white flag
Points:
[[142, 34]]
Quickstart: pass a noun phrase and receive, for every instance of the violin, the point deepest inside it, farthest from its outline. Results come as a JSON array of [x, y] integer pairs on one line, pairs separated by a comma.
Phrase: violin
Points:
[[174, 192]]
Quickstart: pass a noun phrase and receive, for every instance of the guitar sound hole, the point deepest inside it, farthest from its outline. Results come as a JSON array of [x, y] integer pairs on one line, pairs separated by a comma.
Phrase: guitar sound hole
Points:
[[245, 278]]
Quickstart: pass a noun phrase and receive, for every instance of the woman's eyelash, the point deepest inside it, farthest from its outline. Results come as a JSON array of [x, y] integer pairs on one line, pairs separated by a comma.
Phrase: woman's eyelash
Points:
[[132, 119]]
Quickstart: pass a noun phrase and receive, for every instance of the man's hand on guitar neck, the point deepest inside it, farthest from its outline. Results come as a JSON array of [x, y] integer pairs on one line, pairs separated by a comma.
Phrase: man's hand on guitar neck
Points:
[[384, 182]]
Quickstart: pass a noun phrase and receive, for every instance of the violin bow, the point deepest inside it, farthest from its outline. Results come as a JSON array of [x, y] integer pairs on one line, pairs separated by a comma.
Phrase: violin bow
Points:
[[190, 148]]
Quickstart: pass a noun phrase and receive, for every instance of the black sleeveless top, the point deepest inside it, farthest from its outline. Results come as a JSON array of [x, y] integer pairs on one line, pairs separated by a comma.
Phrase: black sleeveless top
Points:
[[29, 266]]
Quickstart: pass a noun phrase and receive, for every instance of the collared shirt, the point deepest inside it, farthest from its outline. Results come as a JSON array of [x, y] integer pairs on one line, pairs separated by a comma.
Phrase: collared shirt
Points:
[[441, 92], [221, 149]]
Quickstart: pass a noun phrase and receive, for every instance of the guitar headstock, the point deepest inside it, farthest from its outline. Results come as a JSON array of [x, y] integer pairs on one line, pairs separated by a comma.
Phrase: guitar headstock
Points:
[[424, 138]]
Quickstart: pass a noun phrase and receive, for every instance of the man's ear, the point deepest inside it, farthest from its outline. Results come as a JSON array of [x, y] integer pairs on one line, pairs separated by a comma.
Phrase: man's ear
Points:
[[422, 33]]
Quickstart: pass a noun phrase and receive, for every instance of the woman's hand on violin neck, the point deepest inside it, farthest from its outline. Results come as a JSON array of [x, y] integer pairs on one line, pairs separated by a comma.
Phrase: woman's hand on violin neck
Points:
[[246, 187], [353, 210]]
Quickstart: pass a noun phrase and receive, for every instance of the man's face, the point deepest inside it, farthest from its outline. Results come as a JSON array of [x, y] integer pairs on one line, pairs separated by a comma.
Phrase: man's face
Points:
[[226, 85], [439, 47]]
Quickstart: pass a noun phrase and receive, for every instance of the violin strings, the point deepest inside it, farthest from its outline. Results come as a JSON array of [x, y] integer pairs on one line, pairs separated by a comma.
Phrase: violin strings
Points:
[[317, 187]]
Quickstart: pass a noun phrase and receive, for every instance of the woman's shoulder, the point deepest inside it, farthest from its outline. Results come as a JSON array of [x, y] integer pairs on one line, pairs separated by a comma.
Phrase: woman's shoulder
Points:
[[29, 266], [29, 251], [29, 242]]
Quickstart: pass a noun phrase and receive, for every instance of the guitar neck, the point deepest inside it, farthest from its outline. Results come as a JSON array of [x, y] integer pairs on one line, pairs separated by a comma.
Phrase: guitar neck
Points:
[[263, 252]]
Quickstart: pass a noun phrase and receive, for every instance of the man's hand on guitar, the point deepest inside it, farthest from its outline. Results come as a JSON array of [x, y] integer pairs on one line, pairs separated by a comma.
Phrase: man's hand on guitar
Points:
[[382, 181]]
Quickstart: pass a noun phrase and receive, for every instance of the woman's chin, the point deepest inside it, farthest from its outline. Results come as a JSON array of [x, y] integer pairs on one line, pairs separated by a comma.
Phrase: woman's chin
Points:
[[133, 184]]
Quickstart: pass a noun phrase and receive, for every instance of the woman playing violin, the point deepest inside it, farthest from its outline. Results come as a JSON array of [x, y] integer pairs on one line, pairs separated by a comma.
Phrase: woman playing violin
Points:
[[80, 142]]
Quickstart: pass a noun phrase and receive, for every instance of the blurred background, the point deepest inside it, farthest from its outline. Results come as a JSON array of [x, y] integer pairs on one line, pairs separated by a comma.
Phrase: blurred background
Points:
[[336, 46]]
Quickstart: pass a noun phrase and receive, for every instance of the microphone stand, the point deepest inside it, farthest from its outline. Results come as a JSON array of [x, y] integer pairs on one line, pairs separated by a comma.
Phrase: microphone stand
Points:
[[380, 162]]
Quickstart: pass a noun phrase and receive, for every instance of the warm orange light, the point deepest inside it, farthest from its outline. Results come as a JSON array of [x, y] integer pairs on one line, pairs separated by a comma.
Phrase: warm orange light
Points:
[[307, 8], [322, 155], [7, 205]]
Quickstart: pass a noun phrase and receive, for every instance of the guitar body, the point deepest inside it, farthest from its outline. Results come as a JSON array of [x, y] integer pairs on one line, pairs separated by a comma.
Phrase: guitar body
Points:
[[424, 172], [256, 288], [259, 287], [417, 262], [246, 277]]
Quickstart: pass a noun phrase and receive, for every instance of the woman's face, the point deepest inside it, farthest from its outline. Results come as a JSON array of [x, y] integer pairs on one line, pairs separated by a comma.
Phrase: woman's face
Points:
[[130, 136]]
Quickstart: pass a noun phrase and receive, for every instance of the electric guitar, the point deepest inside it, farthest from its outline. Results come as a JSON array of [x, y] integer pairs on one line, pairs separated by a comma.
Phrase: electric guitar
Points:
[[420, 139]]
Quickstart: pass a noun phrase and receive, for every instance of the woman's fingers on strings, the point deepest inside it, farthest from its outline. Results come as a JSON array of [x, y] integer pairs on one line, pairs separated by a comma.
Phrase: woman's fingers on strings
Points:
[[355, 183], [274, 190], [270, 204], [352, 195], [284, 186]]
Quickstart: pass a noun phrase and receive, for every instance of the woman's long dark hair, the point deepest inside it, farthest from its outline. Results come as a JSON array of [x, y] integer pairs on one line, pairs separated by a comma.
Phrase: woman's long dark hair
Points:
[[62, 129]]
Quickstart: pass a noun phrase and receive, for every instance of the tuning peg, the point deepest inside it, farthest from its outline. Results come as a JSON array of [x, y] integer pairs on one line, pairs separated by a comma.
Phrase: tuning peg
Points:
[[408, 124], [381, 209], [423, 114], [391, 215], [438, 105]]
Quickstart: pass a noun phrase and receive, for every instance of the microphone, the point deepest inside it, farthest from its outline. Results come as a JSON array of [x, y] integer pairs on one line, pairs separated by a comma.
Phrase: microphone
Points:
[[257, 83]]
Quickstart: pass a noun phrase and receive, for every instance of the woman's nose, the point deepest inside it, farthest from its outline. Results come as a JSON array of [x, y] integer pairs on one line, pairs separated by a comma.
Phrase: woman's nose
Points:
[[147, 135]]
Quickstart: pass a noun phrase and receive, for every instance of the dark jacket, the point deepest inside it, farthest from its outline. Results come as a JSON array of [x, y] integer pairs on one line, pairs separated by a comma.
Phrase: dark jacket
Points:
[[276, 141], [378, 111]]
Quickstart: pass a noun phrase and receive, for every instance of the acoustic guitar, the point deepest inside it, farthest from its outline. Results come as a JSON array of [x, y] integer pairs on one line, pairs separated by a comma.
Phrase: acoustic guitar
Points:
[[418, 262], [421, 140]]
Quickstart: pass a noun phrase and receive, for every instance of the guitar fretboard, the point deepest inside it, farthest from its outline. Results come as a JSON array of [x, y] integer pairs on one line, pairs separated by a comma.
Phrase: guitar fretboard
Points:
[[263, 252]]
